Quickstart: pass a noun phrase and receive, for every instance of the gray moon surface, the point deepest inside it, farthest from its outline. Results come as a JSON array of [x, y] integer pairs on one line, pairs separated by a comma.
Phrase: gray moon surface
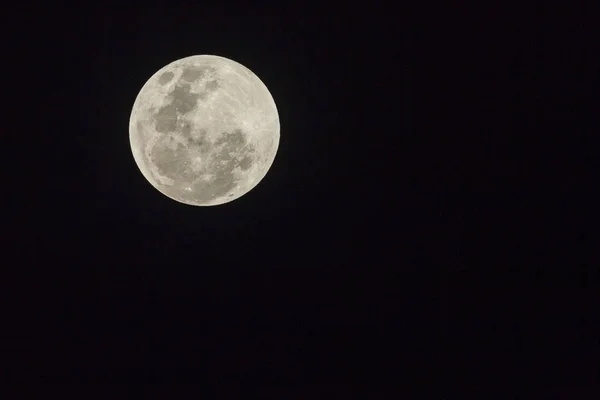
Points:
[[204, 130]]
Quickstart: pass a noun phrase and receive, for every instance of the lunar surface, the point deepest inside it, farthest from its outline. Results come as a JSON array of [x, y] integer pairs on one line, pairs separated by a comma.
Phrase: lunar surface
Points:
[[204, 130]]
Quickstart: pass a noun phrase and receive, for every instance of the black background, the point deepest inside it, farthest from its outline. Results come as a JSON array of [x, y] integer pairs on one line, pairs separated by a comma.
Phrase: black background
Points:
[[423, 219]]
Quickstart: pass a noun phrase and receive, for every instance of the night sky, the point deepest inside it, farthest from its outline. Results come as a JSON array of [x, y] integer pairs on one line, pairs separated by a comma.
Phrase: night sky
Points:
[[380, 247]]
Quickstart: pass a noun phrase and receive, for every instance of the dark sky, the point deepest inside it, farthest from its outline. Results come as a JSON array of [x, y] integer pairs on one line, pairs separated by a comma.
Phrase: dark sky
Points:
[[400, 208]]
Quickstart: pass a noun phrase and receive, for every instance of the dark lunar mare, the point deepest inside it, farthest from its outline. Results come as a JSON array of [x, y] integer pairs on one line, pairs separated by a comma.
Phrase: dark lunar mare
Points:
[[229, 153], [193, 73], [166, 78], [231, 150], [181, 100]]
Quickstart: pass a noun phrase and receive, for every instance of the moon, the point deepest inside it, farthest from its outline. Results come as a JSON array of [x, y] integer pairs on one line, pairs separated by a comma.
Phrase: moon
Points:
[[204, 130]]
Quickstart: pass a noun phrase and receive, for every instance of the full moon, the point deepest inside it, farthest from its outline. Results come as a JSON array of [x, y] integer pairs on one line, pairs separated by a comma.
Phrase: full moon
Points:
[[204, 130]]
